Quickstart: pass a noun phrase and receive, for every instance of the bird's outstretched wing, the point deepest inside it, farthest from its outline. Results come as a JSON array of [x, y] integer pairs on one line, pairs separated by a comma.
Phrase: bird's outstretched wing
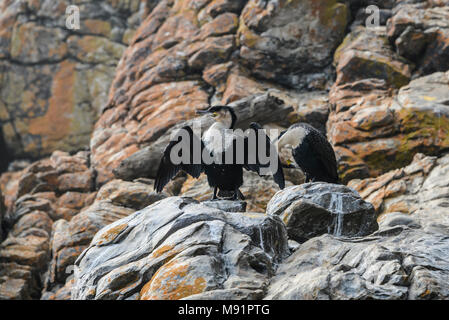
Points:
[[253, 161], [168, 169]]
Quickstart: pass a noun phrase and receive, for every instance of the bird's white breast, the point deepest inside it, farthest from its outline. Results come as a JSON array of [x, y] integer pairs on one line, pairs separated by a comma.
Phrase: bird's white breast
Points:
[[293, 137], [217, 139]]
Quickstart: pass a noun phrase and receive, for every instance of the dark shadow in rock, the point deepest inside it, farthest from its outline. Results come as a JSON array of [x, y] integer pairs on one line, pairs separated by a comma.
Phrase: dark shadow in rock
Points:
[[5, 157]]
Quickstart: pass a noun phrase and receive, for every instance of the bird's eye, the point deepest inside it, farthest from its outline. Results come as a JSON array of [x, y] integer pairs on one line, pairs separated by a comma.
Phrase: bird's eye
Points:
[[214, 114]]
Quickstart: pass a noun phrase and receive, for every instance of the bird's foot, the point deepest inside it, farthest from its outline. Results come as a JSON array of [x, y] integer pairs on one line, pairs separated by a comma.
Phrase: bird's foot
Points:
[[214, 195]]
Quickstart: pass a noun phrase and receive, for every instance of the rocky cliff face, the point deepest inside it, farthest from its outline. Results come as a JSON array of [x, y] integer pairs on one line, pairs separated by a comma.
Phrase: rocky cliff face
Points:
[[181, 249], [188, 54], [379, 93], [54, 80], [405, 259]]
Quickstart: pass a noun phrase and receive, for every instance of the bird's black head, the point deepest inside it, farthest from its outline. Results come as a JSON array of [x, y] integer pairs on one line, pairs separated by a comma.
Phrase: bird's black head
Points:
[[223, 114]]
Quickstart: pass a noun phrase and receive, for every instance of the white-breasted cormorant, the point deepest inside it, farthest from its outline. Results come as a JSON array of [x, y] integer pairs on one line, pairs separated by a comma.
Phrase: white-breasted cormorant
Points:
[[311, 152], [221, 142]]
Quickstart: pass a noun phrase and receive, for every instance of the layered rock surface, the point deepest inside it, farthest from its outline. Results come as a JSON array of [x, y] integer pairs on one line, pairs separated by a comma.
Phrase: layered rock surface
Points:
[[53, 212], [54, 80], [113, 201], [179, 248], [405, 259], [388, 102], [2, 213], [188, 54], [377, 120], [375, 132], [420, 189], [397, 262], [51, 189], [420, 32]]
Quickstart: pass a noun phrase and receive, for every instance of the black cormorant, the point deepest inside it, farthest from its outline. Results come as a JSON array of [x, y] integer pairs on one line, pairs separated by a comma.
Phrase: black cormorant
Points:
[[221, 143], [311, 152]]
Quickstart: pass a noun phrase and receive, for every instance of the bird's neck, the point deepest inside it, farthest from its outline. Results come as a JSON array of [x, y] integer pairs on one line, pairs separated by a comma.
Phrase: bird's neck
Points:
[[216, 138], [292, 137], [220, 125]]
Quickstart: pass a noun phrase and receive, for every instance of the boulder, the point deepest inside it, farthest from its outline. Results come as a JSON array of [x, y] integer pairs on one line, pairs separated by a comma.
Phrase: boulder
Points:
[[226, 205], [291, 42], [178, 248], [259, 108], [312, 209], [388, 101], [400, 261], [366, 53]]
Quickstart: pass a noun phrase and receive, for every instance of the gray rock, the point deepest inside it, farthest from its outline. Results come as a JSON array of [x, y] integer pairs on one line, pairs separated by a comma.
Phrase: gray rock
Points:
[[398, 219], [226, 205], [278, 43], [138, 165], [393, 263], [178, 248], [312, 209], [425, 94], [293, 245]]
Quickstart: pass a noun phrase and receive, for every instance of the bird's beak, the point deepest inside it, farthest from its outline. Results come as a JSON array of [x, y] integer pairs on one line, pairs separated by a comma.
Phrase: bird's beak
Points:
[[202, 111], [212, 114]]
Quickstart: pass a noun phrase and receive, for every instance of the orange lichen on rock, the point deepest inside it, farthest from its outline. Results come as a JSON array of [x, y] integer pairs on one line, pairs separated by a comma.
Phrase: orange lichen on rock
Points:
[[110, 234], [161, 250], [55, 125], [172, 282]]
